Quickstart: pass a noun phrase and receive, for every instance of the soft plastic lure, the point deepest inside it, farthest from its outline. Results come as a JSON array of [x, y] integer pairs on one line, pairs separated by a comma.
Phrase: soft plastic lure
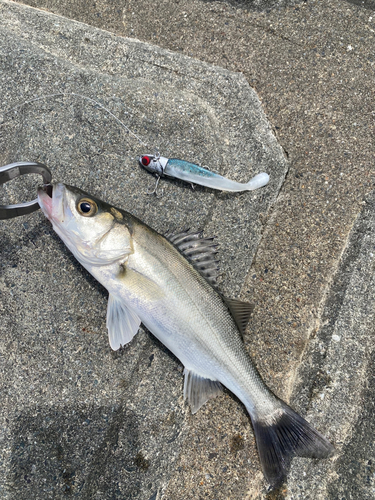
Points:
[[190, 172], [171, 167]]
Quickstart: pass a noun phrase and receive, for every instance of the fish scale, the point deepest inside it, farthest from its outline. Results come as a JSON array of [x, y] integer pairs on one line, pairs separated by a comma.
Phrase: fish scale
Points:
[[202, 305]]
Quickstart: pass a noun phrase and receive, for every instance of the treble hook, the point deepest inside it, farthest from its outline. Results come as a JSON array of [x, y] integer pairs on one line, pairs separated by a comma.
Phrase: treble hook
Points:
[[155, 190]]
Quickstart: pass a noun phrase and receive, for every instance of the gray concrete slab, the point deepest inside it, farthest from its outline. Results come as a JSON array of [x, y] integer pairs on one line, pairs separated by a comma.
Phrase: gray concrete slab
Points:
[[336, 377], [312, 64], [78, 419]]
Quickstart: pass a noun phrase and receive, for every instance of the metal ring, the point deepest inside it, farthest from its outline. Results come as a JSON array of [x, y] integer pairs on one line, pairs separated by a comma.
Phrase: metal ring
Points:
[[13, 170]]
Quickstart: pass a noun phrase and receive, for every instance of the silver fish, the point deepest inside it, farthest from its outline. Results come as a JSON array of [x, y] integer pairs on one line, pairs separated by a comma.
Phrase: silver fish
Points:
[[166, 283], [190, 172]]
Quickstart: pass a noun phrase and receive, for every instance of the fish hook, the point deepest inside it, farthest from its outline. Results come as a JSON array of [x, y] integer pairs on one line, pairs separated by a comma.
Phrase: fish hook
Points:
[[155, 190]]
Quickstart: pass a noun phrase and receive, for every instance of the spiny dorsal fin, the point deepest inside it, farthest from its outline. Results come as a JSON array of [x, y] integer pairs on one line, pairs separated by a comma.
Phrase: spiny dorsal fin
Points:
[[241, 312], [198, 390], [200, 252]]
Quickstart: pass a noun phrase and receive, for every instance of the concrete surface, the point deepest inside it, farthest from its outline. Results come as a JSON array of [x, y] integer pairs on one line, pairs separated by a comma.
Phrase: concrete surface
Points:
[[336, 377], [312, 65]]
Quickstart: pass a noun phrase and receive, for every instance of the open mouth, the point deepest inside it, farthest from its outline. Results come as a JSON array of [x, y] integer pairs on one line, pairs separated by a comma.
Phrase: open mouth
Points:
[[48, 189], [45, 199]]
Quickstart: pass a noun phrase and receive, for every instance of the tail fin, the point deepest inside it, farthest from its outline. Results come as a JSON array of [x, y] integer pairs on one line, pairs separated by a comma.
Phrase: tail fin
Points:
[[283, 435]]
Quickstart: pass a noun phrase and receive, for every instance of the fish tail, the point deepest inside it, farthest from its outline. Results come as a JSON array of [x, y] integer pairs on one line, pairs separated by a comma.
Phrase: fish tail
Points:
[[282, 435], [258, 181]]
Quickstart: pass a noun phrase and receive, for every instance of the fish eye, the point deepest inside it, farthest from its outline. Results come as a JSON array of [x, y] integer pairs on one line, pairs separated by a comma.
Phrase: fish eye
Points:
[[87, 207], [145, 160]]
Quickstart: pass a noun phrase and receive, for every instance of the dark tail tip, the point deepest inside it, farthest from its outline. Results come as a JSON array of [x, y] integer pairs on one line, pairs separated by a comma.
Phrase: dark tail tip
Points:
[[283, 435]]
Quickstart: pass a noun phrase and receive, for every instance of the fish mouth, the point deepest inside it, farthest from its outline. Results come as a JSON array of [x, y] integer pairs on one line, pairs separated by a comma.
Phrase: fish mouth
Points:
[[48, 189], [45, 193], [49, 198]]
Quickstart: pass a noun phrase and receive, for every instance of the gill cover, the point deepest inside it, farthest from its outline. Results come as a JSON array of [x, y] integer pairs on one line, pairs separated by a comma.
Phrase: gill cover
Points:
[[93, 231]]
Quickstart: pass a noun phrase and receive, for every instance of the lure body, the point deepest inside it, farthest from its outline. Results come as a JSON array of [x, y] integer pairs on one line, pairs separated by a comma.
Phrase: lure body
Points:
[[190, 172]]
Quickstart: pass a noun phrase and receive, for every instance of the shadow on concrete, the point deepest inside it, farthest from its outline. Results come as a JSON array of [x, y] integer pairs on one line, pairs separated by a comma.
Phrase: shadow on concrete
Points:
[[76, 450]]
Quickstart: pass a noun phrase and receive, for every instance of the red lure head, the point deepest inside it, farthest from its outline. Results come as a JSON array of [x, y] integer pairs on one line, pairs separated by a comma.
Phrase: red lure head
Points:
[[145, 160], [152, 164]]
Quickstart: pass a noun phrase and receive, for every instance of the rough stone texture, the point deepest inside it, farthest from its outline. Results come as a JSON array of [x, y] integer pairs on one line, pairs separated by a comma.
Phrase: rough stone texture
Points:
[[312, 64], [180, 106], [99, 424], [336, 377]]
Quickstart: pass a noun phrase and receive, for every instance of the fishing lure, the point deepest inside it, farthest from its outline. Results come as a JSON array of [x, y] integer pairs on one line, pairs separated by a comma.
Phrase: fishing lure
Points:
[[171, 167], [190, 172]]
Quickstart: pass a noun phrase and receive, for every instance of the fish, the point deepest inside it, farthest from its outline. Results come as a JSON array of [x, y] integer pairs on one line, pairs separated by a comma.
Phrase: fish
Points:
[[190, 172], [168, 283]]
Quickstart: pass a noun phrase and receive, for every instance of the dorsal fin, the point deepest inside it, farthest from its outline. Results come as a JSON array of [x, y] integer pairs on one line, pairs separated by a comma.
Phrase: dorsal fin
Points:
[[200, 252], [241, 312]]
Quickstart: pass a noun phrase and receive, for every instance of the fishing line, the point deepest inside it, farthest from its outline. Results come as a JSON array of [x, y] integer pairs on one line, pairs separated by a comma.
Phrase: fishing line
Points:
[[170, 167], [59, 94]]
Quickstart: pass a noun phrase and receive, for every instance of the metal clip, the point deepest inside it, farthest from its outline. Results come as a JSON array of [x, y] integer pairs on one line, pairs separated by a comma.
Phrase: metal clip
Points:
[[13, 170]]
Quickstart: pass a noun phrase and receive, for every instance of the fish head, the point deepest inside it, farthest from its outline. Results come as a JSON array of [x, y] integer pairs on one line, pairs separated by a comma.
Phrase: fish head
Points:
[[94, 231]]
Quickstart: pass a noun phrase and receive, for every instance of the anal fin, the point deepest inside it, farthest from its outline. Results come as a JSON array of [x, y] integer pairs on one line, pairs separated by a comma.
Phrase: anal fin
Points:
[[122, 323], [198, 390]]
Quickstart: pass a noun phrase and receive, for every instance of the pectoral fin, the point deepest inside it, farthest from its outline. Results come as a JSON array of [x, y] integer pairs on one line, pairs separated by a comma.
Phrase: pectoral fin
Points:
[[122, 323], [198, 390]]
